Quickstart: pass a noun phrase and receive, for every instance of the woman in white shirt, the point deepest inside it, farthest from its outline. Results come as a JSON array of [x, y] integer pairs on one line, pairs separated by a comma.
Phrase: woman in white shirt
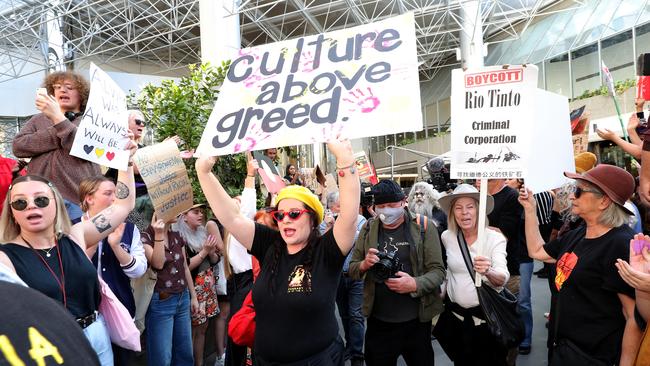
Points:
[[476, 344]]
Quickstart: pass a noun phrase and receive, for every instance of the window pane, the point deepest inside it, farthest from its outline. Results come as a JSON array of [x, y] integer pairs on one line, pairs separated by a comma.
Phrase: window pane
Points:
[[585, 68], [643, 39], [557, 75], [626, 14], [617, 54], [381, 143], [598, 22], [390, 140], [573, 28]]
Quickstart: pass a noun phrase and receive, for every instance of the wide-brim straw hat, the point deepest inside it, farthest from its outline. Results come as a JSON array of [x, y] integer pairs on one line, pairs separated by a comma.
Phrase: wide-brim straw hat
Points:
[[464, 190]]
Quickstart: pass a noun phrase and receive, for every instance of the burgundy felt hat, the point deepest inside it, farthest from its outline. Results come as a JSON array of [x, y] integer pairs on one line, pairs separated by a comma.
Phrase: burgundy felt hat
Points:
[[615, 182]]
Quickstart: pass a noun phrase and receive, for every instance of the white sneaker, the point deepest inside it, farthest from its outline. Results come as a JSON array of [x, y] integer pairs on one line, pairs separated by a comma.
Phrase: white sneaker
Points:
[[219, 361]]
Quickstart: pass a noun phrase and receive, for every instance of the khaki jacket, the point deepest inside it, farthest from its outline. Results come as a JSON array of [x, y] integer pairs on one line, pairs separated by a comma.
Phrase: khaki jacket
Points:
[[428, 268]]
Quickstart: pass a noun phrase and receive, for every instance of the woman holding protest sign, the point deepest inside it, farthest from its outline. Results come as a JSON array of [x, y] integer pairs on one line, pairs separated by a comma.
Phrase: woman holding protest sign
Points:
[[49, 254], [593, 320], [470, 342], [300, 270], [119, 257]]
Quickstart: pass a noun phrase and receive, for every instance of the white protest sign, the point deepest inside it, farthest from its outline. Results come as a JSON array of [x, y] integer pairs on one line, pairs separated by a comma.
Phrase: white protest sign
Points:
[[504, 127], [354, 82], [168, 185], [491, 112], [102, 132]]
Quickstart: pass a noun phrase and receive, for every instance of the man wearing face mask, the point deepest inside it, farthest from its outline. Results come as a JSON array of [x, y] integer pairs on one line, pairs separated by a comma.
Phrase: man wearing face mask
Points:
[[400, 308]]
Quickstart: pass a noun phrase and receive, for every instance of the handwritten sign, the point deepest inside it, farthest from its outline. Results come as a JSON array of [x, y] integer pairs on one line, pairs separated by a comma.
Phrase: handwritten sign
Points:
[[354, 82], [102, 133], [491, 112], [166, 178]]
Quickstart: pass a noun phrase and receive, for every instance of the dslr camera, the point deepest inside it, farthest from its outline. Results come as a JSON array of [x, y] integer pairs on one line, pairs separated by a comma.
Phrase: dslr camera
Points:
[[387, 266]]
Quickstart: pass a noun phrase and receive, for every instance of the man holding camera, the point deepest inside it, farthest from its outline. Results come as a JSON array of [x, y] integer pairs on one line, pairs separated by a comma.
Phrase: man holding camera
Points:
[[399, 259]]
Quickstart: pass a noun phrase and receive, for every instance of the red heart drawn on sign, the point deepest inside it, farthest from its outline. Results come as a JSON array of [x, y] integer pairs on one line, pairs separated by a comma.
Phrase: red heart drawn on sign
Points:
[[110, 155]]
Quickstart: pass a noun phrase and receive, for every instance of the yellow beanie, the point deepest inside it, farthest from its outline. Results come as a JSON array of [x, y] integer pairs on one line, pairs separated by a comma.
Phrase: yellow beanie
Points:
[[585, 161], [305, 196]]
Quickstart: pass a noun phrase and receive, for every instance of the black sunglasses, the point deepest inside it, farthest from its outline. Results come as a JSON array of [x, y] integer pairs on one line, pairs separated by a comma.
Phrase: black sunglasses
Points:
[[21, 203], [293, 214], [140, 122], [578, 191]]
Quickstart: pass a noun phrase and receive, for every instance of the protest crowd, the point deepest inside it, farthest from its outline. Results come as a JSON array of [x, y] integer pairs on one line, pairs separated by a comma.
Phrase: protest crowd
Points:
[[110, 278]]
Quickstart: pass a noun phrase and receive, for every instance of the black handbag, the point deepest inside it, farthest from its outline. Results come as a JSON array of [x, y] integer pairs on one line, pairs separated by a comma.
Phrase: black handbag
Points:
[[499, 308]]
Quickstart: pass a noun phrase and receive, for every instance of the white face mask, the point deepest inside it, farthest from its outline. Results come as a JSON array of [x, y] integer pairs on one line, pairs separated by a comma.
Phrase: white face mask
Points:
[[389, 215]]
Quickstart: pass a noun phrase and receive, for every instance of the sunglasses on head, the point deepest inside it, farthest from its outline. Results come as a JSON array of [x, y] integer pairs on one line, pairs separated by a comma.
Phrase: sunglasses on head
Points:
[[293, 214], [140, 122], [578, 191], [21, 203]]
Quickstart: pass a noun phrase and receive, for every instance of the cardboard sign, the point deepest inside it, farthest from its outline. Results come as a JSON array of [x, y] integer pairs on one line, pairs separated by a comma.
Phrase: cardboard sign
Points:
[[365, 168], [354, 82], [167, 182], [491, 112], [103, 131], [580, 143]]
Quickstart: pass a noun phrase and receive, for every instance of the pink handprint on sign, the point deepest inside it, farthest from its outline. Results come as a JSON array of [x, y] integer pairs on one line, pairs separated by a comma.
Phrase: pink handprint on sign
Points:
[[255, 136], [361, 101]]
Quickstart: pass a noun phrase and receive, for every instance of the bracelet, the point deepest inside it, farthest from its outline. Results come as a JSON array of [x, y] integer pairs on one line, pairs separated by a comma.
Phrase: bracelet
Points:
[[251, 176], [352, 167], [159, 240]]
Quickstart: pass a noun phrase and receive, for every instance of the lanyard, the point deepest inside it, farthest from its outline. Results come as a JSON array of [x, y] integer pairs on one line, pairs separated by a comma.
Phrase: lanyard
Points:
[[59, 281]]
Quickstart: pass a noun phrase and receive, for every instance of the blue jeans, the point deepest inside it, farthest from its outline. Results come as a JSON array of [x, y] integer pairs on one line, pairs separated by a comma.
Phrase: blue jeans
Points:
[[97, 335], [74, 211], [169, 331], [525, 307], [349, 299]]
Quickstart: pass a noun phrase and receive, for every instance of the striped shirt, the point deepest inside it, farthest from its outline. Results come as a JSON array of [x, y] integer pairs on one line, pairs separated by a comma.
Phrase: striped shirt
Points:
[[544, 207]]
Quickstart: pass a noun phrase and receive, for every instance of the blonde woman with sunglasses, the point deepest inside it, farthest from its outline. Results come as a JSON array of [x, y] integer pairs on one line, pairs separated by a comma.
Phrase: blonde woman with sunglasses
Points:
[[300, 270], [48, 253]]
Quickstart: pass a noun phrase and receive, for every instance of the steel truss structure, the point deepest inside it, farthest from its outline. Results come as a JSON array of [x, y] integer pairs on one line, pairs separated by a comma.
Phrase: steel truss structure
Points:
[[164, 35]]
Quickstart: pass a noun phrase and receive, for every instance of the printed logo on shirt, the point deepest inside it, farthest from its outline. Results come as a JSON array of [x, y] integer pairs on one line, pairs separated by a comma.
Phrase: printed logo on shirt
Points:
[[565, 266], [390, 247], [299, 280]]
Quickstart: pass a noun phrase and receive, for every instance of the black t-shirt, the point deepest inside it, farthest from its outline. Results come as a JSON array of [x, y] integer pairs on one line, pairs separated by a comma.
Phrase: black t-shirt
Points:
[[31, 321], [81, 283], [389, 306], [507, 215], [295, 320], [589, 310]]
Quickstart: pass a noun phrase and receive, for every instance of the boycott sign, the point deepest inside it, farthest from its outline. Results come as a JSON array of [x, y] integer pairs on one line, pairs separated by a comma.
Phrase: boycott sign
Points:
[[166, 178], [355, 82], [491, 110], [102, 133]]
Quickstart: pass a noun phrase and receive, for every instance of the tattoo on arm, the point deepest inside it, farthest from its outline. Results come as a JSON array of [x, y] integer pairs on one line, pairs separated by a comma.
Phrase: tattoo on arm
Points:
[[121, 191], [102, 223]]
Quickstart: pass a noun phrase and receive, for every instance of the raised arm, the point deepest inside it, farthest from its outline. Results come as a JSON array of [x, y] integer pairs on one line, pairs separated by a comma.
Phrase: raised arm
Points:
[[628, 147], [349, 194], [534, 240], [226, 211], [32, 141], [90, 232]]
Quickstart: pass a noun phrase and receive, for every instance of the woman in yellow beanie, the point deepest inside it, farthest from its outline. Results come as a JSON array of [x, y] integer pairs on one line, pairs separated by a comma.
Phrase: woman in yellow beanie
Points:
[[295, 292]]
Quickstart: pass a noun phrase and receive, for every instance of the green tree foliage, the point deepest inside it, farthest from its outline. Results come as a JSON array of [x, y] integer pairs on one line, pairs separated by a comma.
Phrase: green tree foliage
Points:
[[182, 108]]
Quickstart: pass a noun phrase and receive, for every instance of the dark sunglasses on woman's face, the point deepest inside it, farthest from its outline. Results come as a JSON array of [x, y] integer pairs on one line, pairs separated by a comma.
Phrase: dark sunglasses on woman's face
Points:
[[21, 203], [140, 122], [578, 191], [293, 214]]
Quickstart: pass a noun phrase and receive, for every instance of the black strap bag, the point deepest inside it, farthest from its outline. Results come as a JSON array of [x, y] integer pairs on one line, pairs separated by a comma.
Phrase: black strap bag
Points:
[[499, 308]]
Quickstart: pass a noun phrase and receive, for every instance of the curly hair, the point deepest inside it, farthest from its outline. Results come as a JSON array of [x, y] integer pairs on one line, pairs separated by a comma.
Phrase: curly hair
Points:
[[82, 85]]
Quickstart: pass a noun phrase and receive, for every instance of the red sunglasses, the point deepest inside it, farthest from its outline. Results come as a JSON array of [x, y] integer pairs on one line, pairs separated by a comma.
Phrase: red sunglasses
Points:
[[293, 214]]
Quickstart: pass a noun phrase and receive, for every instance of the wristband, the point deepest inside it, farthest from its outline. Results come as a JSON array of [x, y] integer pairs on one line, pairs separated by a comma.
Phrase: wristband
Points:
[[130, 163]]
